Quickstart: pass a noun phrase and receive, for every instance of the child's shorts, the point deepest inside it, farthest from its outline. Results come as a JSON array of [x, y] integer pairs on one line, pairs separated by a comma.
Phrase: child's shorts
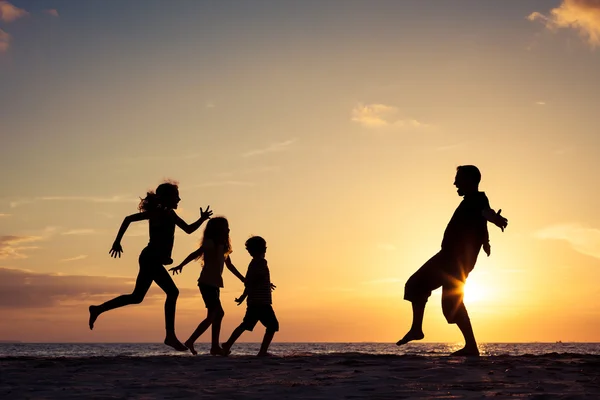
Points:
[[210, 295], [262, 313]]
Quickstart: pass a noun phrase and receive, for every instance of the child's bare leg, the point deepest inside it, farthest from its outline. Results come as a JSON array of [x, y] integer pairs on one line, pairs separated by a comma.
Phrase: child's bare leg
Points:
[[235, 335], [265, 343], [215, 348], [416, 329], [202, 327], [164, 280]]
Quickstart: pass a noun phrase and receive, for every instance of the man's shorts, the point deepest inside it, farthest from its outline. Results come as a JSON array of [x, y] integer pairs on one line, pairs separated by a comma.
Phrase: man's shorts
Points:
[[210, 295], [262, 313], [444, 271]]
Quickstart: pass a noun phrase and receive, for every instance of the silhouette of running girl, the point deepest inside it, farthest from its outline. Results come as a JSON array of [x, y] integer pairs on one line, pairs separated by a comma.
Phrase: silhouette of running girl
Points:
[[214, 250], [159, 209]]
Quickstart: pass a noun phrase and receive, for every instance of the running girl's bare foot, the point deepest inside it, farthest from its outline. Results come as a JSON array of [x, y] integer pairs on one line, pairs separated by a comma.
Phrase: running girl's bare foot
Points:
[[410, 336], [190, 346], [175, 343], [467, 351], [93, 316]]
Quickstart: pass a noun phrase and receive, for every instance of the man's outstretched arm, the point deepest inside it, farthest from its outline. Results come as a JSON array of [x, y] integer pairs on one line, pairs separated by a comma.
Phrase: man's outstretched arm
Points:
[[495, 218]]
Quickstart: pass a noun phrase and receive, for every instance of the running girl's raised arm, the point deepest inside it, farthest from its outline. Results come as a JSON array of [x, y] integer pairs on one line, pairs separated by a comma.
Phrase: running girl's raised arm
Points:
[[116, 249], [193, 256], [191, 228]]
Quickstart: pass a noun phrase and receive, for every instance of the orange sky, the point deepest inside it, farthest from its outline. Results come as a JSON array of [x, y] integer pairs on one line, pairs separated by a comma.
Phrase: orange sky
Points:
[[332, 132]]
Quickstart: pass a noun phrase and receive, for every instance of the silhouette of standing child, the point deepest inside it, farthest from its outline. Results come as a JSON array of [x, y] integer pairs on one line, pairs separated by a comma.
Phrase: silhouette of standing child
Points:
[[159, 209], [465, 235], [214, 250], [258, 289]]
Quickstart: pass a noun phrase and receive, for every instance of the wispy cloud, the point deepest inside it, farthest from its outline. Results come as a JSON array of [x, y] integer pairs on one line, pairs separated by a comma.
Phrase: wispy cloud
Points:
[[12, 246], [581, 239], [540, 103], [79, 232], [381, 116], [52, 12], [10, 13], [91, 199], [76, 258], [4, 215], [580, 15], [272, 148], [5, 40]]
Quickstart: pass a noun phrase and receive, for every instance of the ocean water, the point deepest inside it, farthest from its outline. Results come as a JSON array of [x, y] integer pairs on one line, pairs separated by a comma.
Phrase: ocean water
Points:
[[78, 350]]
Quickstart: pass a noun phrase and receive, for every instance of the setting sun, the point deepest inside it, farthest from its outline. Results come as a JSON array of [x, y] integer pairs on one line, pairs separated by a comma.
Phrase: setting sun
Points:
[[475, 293]]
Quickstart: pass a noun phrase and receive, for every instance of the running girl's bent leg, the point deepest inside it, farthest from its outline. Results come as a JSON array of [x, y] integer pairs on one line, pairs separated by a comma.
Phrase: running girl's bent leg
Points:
[[142, 284], [165, 282]]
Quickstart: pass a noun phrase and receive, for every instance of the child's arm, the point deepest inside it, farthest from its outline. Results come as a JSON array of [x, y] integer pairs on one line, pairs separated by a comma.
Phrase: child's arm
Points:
[[187, 260], [233, 269], [116, 248], [191, 228], [241, 299], [495, 218]]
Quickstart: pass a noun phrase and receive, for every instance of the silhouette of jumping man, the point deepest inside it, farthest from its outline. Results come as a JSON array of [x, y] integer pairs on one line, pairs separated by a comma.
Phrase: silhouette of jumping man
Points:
[[159, 209], [465, 235], [214, 250]]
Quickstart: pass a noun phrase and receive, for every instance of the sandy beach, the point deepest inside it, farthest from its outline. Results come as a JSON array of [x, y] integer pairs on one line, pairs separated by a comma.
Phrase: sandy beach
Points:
[[334, 376]]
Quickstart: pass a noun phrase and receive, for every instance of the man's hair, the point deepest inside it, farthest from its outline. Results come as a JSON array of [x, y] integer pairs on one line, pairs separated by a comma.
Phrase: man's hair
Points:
[[256, 245], [470, 171]]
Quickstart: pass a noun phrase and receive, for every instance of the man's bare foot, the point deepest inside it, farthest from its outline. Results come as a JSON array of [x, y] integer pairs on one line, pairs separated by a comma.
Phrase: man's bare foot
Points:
[[410, 336], [190, 346], [466, 351], [93, 316], [175, 343]]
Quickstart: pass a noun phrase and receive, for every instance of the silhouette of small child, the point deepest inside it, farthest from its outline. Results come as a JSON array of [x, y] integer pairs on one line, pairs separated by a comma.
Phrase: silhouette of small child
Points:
[[258, 289], [214, 250], [464, 237], [159, 209]]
